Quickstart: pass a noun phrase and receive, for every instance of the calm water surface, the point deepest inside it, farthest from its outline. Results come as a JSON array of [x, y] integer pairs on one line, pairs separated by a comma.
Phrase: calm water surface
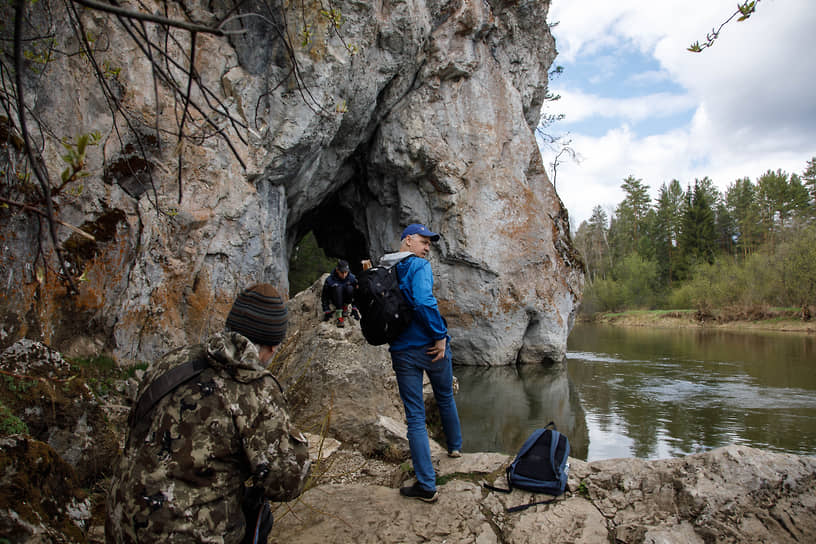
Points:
[[651, 393]]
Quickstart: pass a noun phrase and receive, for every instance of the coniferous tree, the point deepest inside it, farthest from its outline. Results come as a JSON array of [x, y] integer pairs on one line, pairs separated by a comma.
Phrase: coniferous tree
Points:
[[741, 202], [307, 264], [781, 199], [724, 228], [772, 197], [799, 198], [593, 243], [647, 245], [667, 230], [809, 181], [698, 236], [630, 216]]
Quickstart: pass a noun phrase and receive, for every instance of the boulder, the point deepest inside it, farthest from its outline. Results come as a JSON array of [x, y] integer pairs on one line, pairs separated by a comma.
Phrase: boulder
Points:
[[731, 494], [41, 499], [62, 405]]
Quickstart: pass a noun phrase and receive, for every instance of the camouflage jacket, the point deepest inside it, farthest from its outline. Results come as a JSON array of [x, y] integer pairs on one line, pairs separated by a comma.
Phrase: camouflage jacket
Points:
[[183, 481]]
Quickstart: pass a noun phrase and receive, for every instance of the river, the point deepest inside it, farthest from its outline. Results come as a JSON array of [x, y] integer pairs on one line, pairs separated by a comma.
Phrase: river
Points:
[[651, 393]]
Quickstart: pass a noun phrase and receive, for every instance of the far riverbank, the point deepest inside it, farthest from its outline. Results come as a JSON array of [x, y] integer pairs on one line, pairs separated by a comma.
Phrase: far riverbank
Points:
[[777, 320]]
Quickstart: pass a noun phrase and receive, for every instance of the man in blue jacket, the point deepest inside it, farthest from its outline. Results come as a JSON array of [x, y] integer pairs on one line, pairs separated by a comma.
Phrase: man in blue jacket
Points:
[[423, 347]]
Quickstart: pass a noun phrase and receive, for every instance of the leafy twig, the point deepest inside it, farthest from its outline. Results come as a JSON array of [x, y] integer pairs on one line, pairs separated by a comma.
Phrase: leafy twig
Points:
[[744, 10], [30, 208]]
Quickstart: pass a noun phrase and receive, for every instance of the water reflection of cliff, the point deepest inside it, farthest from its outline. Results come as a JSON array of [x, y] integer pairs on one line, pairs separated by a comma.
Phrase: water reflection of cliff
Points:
[[500, 406]]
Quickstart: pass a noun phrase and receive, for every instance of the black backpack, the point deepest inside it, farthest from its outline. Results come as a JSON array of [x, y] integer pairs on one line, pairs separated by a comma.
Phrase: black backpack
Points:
[[384, 310], [540, 465]]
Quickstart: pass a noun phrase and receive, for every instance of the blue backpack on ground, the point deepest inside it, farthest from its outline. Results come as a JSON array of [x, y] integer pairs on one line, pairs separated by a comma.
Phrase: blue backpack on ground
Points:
[[540, 465]]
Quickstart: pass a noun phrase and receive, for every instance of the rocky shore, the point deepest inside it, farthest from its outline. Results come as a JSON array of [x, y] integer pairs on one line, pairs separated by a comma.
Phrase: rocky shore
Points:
[[342, 392], [732, 494]]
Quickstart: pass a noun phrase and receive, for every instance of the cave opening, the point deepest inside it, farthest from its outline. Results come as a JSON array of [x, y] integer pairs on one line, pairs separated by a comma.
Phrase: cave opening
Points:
[[324, 235]]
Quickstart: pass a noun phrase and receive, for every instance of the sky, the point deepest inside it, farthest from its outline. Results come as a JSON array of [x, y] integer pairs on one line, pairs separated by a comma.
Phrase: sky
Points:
[[636, 102]]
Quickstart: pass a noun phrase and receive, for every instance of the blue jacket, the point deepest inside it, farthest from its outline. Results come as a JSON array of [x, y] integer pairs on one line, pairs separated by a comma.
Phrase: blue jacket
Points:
[[416, 283]]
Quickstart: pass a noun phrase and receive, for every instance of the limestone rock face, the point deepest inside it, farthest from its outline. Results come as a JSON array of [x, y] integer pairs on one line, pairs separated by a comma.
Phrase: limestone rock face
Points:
[[365, 120]]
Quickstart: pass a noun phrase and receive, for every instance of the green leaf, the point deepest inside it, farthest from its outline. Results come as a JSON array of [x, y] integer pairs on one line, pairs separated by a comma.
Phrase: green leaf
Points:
[[82, 143]]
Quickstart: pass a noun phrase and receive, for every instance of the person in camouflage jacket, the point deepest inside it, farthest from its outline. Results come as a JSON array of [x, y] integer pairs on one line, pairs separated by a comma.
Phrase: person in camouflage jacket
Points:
[[186, 467]]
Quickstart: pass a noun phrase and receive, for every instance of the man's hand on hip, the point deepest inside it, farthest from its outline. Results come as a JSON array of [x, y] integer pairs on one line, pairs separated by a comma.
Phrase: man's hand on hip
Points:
[[437, 350]]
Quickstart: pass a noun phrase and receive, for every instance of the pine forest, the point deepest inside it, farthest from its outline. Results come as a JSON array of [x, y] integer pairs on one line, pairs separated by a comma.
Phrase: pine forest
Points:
[[749, 248]]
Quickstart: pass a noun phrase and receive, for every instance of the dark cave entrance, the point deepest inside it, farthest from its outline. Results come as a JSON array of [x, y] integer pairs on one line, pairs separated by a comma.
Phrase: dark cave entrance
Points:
[[323, 236]]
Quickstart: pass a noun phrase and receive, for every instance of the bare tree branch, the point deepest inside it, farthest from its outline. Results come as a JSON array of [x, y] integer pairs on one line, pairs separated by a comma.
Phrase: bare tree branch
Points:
[[28, 207], [42, 177], [184, 113], [171, 60], [140, 16]]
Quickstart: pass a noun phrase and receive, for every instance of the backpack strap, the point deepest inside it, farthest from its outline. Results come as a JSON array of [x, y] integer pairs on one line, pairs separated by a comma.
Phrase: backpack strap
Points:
[[165, 384], [521, 507], [408, 296], [509, 485]]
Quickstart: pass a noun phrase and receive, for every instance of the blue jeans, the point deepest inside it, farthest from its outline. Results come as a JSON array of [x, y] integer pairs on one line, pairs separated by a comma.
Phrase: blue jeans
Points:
[[409, 365]]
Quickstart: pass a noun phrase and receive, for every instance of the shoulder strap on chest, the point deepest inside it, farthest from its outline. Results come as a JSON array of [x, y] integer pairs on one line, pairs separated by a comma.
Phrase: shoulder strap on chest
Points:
[[165, 384]]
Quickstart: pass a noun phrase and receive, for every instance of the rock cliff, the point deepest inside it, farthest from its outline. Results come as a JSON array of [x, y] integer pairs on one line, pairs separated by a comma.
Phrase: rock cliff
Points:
[[349, 122]]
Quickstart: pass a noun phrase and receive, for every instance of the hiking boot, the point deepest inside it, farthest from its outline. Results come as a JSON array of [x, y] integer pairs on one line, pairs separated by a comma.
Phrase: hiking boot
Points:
[[346, 310], [340, 323], [455, 454], [416, 491]]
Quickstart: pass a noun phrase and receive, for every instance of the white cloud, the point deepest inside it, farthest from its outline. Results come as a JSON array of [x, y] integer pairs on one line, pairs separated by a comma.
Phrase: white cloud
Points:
[[752, 93], [589, 25], [650, 77], [581, 106]]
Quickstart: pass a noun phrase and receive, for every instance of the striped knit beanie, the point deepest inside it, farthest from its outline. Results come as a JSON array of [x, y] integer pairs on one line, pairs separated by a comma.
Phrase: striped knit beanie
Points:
[[259, 314]]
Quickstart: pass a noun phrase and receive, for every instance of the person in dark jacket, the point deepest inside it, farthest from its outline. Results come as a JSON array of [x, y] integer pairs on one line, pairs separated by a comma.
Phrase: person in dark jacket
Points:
[[338, 290], [423, 348]]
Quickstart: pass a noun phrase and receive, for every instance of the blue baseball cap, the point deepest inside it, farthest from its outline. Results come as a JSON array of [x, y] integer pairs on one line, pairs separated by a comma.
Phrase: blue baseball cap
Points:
[[422, 230]]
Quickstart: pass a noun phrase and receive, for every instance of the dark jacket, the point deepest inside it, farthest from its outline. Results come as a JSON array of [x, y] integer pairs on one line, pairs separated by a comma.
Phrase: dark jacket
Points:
[[332, 282], [183, 481]]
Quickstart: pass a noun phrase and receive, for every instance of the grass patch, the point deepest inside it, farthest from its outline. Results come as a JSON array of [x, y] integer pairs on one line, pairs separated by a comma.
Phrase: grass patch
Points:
[[102, 373], [787, 319], [99, 362], [10, 424]]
